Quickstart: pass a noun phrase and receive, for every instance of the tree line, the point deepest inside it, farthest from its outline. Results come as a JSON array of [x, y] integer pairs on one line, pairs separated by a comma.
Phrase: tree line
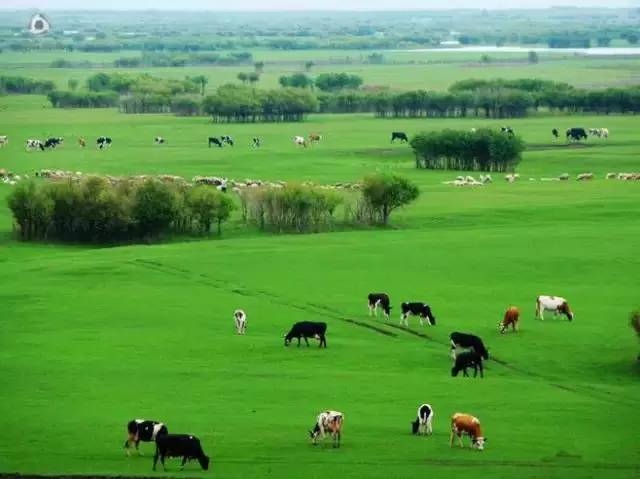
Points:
[[96, 210], [159, 59], [24, 86], [481, 150]]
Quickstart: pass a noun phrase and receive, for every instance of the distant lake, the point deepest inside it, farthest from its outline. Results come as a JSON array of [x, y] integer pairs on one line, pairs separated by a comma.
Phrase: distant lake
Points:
[[492, 49]]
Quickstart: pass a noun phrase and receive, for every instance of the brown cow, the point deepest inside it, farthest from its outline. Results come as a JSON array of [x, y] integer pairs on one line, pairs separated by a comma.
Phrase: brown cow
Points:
[[314, 138], [511, 317], [82, 142], [466, 424]]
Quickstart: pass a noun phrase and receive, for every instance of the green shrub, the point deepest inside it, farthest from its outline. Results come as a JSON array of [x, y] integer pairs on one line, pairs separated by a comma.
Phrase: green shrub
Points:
[[384, 193]]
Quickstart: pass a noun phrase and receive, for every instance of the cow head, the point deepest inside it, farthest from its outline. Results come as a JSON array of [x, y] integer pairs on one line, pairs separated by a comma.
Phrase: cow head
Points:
[[431, 318], [204, 462], [454, 371], [478, 443], [314, 433], [287, 339], [415, 426], [566, 310], [387, 310]]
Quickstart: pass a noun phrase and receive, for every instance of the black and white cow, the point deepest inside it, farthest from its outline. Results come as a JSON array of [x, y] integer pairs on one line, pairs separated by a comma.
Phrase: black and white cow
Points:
[[508, 130], [307, 329], [576, 134], [422, 310], [399, 135], [467, 359], [227, 140], [213, 140], [382, 300], [186, 446], [256, 142], [159, 140], [555, 133], [467, 341], [34, 144], [53, 142], [143, 430], [103, 142], [422, 424]]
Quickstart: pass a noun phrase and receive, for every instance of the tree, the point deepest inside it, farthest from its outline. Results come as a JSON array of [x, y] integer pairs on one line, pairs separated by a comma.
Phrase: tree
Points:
[[200, 80], [154, 207], [243, 77], [259, 66], [485, 58], [385, 193], [308, 65], [633, 38], [73, 84], [209, 206], [532, 57], [253, 78], [297, 80], [603, 41], [338, 81]]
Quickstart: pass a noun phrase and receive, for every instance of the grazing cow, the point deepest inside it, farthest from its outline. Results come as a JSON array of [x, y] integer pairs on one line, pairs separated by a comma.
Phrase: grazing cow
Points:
[[215, 141], [314, 138], [399, 135], [422, 424], [82, 142], [555, 304], [467, 359], [240, 318], [185, 446], [467, 424], [159, 140], [585, 176], [604, 132], [511, 317], [331, 421], [256, 142], [143, 430], [422, 310], [53, 142], [227, 140], [307, 329], [576, 134], [382, 300], [300, 141], [103, 142], [4, 140], [467, 341], [555, 133], [508, 130], [34, 144], [511, 177]]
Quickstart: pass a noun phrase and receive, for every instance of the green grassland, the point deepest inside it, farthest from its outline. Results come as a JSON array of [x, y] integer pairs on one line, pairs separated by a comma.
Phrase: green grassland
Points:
[[403, 70], [93, 337]]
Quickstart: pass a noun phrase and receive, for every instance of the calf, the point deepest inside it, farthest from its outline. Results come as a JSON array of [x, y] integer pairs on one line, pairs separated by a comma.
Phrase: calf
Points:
[[422, 424], [467, 359], [467, 424], [508, 130], [307, 329], [314, 138], [399, 135], [422, 310], [553, 303], [103, 142], [240, 319], [300, 141], [159, 140], [555, 133], [34, 144], [143, 430], [53, 142], [511, 317], [379, 299], [227, 140], [215, 141], [4, 140], [331, 421], [179, 445], [82, 142], [467, 341], [256, 142]]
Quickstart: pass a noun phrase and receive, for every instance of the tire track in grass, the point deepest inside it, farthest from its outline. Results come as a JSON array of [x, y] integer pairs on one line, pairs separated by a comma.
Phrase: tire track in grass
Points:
[[315, 308]]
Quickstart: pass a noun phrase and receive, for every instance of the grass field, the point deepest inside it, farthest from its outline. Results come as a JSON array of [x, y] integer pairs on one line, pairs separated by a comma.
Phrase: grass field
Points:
[[93, 337]]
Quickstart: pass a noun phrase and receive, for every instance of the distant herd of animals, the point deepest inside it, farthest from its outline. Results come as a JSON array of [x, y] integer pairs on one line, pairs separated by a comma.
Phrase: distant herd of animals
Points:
[[467, 351], [103, 142]]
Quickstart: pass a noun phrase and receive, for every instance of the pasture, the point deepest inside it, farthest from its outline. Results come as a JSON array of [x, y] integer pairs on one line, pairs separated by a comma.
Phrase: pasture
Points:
[[93, 337]]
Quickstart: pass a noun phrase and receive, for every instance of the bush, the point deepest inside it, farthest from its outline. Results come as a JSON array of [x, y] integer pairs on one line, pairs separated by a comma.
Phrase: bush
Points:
[[74, 99], [31, 210], [154, 208], [337, 81], [209, 206], [384, 193], [22, 85]]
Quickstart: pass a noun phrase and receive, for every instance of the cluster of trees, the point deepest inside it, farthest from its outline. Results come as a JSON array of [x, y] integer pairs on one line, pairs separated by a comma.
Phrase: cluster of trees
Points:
[[156, 59], [326, 82], [84, 99], [142, 84], [22, 85], [481, 150], [236, 103], [94, 210]]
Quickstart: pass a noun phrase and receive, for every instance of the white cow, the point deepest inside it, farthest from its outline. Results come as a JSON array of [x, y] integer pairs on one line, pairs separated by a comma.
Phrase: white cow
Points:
[[4, 140], [328, 421], [240, 318], [555, 304], [300, 141]]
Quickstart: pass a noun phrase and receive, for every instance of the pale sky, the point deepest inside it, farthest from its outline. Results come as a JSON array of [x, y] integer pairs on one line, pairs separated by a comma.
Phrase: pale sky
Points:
[[253, 5]]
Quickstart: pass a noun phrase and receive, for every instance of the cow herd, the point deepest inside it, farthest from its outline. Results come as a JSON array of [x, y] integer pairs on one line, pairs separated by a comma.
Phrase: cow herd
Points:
[[578, 134]]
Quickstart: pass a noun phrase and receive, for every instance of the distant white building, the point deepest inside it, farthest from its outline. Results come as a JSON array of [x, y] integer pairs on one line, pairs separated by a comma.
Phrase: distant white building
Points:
[[450, 43]]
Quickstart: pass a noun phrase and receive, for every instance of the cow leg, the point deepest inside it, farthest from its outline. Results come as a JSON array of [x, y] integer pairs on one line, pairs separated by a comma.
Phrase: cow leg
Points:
[[429, 425], [420, 319], [155, 458], [481, 367], [451, 438], [475, 370], [460, 440], [370, 309], [306, 340], [184, 461], [298, 341], [464, 372]]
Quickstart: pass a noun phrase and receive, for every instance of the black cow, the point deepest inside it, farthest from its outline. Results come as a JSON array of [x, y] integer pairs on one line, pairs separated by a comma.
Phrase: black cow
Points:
[[256, 142], [103, 142], [185, 446], [508, 130], [143, 430], [468, 341], [468, 359], [399, 135], [307, 329], [53, 142], [555, 133], [576, 134], [422, 310], [227, 140], [215, 141], [379, 299]]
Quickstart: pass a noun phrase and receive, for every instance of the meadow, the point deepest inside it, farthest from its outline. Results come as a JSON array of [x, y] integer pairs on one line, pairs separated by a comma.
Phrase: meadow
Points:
[[95, 336]]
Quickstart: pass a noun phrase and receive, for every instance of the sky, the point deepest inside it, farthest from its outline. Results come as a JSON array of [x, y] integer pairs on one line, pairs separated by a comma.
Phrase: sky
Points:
[[253, 5]]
